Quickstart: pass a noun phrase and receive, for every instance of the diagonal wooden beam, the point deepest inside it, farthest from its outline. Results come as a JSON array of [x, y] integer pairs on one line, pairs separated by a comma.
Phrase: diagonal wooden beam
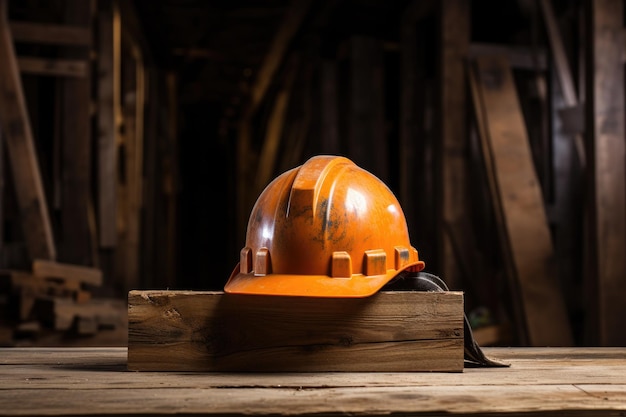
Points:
[[294, 16], [16, 128], [563, 71], [524, 232]]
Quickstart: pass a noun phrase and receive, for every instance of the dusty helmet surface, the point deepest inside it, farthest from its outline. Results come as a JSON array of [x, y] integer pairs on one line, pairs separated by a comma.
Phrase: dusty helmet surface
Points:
[[327, 228]]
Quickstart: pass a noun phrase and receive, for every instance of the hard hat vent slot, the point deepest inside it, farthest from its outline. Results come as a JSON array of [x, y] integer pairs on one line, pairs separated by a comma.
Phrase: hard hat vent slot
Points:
[[375, 262], [245, 260], [402, 257], [262, 263], [341, 266]]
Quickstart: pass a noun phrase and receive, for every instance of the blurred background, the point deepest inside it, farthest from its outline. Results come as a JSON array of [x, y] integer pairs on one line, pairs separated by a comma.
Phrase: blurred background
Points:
[[136, 136]]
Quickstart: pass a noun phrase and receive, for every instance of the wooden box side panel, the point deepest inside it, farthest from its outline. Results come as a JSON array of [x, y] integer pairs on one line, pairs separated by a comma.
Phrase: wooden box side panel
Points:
[[213, 331]]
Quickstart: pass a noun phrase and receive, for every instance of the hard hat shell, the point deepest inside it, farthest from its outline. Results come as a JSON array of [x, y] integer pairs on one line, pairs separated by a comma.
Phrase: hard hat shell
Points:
[[327, 228]]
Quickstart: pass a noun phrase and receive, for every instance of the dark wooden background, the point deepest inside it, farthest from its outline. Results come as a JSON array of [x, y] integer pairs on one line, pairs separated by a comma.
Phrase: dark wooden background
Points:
[[136, 136]]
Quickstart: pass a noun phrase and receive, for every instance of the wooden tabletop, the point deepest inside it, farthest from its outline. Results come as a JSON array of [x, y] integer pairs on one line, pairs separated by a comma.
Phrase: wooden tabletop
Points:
[[95, 381]]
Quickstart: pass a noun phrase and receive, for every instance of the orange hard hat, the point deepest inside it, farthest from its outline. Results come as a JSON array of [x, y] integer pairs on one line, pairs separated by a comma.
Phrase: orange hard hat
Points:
[[327, 228]]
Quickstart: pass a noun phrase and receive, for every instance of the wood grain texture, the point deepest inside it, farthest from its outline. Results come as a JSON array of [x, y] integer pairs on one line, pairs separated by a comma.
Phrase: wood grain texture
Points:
[[95, 381], [518, 202], [22, 154], [607, 172], [211, 331]]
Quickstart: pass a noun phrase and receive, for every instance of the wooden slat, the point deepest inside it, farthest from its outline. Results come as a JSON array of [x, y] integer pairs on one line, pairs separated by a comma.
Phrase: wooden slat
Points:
[[454, 205], [211, 331], [534, 59], [407, 155], [524, 231], [83, 274], [76, 151], [580, 382], [107, 145], [564, 74], [15, 124], [606, 172], [293, 18], [43, 33], [53, 67]]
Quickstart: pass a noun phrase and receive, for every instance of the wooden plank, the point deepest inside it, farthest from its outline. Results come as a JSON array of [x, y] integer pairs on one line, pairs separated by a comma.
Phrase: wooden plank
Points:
[[454, 205], [606, 172], [92, 381], [18, 136], [407, 155], [480, 119], [171, 181], [2, 195], [533, 59], [43, 33], [83, 274], [213, 331], [76, 150], [564, 74], [525, 237], [530, 366], [53, 67], [294, 16], [63, 314], [107, 144]]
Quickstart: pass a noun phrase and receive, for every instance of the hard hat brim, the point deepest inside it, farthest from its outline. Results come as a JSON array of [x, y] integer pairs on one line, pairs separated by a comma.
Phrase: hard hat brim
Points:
[[357, 286]]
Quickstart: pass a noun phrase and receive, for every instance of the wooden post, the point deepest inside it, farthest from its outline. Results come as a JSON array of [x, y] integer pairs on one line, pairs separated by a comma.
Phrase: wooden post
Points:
[[453, 152], [16, 127], [76, 236], [606, 172], [107, 146], [525, 237]]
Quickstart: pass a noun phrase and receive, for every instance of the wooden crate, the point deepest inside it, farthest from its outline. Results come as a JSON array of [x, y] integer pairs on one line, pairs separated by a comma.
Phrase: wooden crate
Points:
[[212, 331]]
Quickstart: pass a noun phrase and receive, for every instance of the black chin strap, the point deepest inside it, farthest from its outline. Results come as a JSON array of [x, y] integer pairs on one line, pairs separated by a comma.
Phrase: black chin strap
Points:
[[423, 281]]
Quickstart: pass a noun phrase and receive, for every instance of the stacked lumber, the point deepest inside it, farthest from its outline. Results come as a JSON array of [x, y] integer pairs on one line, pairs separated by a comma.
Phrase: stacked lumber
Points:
[[53, 297]]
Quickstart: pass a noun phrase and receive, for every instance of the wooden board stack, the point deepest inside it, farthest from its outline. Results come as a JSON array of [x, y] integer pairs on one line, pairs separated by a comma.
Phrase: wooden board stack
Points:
[[53, 296]]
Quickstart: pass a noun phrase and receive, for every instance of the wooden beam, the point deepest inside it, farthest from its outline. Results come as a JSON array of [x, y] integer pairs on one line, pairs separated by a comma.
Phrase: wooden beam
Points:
[[53, 67], [518, 201], [606, 171], [213, 331], [564, 74], [82, 274], [106, 131], [409, 72], [293, 18], [42, 33], [77, 238], [454, 204], [16, 128], [532, 59]]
